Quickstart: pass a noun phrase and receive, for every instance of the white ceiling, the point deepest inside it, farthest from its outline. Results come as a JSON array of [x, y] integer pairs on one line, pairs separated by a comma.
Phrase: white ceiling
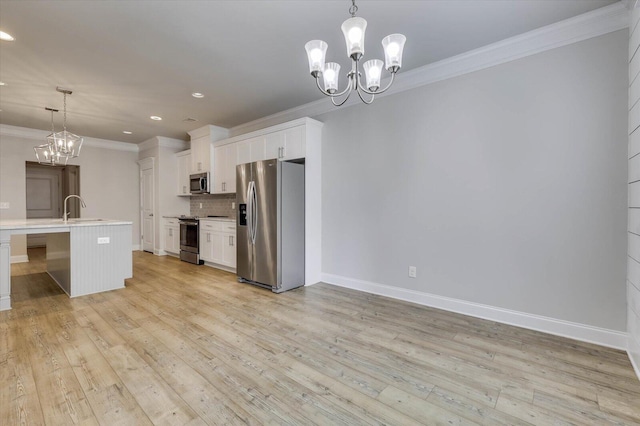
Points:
[[128, 60]]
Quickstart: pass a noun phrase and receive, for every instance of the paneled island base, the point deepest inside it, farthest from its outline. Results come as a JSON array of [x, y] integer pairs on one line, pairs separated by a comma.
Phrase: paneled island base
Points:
[[84, 256]]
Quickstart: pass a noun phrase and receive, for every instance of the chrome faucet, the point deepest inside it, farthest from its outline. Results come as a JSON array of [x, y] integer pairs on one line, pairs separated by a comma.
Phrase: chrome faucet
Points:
[[64, 218]]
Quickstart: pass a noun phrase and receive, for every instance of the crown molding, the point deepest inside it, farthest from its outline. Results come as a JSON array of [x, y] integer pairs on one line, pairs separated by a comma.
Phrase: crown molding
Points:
[[215, 133], [582, 27], [163, 142], [39, 136]]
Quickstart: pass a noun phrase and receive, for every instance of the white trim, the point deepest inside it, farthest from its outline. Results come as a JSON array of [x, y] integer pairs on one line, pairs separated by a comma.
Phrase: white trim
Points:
[[634, 348], [588, 25], [215, 133], [5, 303], [586, 333], [162, 142], [272, 129], [35, 134], [23, 258]]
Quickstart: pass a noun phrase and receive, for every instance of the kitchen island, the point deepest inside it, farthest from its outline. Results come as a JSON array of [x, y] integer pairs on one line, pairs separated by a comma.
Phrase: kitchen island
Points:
[[84, 256]]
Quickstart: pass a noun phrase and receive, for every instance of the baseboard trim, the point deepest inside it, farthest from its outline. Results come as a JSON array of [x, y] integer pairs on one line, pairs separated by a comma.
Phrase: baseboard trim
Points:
[[5, 303], [586, 333], [634, 354], [23, 258], [135, 247]]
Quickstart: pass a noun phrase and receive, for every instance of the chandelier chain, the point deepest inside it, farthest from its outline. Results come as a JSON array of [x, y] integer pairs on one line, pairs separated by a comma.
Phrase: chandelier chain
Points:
[[64, 123], [353, 9]]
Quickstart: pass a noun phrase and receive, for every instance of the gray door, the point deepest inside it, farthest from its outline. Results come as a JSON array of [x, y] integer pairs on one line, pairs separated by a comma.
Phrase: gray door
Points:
[[265, 256], [243, 248]]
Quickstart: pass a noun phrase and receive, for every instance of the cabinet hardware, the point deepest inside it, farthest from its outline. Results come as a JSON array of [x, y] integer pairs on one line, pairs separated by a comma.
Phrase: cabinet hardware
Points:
[[184, 189], [170, 232]]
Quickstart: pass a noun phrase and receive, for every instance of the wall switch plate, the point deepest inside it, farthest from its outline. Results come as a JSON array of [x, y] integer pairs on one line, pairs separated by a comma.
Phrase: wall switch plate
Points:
[[233, 206], [200, 205], [413, 272], [103, 240], [4, 205]]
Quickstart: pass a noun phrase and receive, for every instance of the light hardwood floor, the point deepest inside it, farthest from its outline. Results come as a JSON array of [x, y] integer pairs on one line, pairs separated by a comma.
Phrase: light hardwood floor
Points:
[[186, 344]]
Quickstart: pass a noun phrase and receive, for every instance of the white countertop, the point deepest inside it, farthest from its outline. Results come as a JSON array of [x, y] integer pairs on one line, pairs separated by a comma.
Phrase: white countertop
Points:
[[219, 219], [58, 223]]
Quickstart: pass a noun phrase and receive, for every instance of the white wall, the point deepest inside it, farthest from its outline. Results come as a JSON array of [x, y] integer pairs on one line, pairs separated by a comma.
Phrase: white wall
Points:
[[633, 263], [108, 180], [505, 187]]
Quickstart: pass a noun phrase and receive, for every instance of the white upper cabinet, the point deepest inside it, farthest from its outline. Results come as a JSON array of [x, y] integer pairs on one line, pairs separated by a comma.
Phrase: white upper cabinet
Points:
[[224, 170], [202, 147], [201, 155], [288, 144], [184, 169]]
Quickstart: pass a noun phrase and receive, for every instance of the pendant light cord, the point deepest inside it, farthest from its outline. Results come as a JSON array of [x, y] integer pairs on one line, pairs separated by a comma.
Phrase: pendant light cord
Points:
[[64, 123]]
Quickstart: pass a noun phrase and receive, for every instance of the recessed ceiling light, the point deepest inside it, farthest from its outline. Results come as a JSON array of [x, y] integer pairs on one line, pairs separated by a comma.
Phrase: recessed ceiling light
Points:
[[1, 83], [6, 37], [155, 117], [126, 132], [197, 95]]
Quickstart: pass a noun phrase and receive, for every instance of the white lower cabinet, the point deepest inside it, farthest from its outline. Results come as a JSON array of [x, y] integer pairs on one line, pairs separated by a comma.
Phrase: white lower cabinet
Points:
[[218, 242], [172, 236]]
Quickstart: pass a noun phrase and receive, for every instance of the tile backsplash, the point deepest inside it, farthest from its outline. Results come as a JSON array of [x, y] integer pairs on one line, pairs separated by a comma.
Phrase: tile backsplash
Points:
[[213, 204]]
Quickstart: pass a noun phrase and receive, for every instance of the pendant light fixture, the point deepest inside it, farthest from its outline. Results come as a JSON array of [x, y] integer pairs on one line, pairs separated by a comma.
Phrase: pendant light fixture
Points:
[[353, 30], [47, 153], [65, 142]]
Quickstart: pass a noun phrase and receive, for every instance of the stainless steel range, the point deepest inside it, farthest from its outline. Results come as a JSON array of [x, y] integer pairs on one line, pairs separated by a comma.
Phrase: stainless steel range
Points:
[[189, 243]]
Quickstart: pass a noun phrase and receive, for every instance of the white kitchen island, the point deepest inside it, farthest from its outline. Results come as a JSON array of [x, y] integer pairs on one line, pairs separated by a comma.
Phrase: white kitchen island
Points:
[[84, 256]]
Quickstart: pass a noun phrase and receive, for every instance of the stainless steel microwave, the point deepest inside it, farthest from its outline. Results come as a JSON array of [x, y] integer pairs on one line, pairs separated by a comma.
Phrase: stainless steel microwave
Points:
[[199, 183]]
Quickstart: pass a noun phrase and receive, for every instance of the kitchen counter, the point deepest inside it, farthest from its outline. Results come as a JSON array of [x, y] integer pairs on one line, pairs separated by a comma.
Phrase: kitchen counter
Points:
[[222, 219], [84, 256]]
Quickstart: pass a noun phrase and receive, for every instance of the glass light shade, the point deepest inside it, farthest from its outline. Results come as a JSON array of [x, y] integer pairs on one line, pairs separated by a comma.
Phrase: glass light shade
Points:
[[47, 155], [316, 51], [353, 30], [66, 143], [330, 76], [373, 71], [393, 46]]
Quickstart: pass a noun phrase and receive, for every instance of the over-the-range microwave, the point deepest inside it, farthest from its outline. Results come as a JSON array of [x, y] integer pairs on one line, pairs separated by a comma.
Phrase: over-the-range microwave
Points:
[[199, 183]]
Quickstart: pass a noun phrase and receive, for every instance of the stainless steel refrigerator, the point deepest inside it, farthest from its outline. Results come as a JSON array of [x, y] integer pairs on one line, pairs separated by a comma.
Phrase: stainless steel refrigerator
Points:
[[270, 224]]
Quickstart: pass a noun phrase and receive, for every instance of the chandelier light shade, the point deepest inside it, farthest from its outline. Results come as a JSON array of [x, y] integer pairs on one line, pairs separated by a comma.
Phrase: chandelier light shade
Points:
[[353, 30]]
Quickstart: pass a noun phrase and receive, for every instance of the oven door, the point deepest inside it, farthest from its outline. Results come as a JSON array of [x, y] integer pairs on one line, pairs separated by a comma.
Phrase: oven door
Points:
[[189, 236]]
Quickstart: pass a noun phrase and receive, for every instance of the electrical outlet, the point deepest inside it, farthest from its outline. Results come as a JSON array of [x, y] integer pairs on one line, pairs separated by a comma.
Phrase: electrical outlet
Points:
[[200, 205], [103, 240], [413, 271], [233, 206], [4, 205]]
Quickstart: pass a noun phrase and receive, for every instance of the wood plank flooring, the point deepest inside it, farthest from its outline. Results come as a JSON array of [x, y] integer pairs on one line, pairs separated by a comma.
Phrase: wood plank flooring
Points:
[[188, 345]]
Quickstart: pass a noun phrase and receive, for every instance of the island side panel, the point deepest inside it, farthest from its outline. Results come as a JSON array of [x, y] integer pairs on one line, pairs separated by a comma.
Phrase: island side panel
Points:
[[59, 259], [5, 270], [104, 266]]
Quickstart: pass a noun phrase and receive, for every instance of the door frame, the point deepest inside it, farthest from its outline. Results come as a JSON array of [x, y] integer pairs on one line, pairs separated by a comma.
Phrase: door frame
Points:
[[146, 164]]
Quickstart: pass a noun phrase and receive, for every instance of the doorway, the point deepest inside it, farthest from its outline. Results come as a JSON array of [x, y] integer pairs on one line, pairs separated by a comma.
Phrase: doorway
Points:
[[147, 203], [46, 189]]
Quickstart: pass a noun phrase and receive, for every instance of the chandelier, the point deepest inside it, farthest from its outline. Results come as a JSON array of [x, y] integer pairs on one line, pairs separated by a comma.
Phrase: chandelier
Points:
[[46, 153], [353, 30], [60, 146]]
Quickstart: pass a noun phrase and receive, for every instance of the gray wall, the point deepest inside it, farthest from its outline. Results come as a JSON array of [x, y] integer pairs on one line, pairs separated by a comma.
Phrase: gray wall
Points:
[[505, 187]]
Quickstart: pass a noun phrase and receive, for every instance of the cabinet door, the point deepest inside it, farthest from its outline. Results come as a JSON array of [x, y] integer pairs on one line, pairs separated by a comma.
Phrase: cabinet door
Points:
[[168, 239], [218, 247], [229, 254], [244, 152], [184, 169], [219, 169], [206, 245], [294, 143], [231, 155], [258, 146], [274, 145], [201, 155]]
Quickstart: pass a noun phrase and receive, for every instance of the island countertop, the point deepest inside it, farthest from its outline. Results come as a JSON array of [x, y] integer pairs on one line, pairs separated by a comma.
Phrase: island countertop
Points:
[[14, 224]]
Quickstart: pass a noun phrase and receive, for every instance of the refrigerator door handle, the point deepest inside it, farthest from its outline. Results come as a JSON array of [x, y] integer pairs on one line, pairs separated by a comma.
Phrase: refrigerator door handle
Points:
[[249, 210], [254, 213]]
